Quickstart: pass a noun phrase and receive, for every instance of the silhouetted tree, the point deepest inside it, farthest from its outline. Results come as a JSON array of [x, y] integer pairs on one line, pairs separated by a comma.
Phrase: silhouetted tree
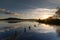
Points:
[[57, 13]]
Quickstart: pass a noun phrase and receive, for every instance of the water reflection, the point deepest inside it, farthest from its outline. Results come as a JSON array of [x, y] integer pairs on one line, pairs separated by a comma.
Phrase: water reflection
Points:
[[57, 30], [29, 31], [46, 28]]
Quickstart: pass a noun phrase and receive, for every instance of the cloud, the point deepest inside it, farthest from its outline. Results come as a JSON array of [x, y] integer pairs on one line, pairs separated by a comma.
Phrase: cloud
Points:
[[29, 4], [31, 13], [5, 11], [38, 13], [54, 1], [14, 14], [2, 10], [41, 11]]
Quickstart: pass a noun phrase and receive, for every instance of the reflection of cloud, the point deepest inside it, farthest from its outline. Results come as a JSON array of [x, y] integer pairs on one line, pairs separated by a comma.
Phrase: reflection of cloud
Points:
[[3, 29], [46, 28]]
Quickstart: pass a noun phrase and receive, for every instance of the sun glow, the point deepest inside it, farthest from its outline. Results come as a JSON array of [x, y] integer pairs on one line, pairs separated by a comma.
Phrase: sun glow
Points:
[[45, 17]]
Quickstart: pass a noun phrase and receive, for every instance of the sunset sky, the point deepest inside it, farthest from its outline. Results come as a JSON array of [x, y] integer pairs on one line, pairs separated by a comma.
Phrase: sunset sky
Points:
[[28, 8]]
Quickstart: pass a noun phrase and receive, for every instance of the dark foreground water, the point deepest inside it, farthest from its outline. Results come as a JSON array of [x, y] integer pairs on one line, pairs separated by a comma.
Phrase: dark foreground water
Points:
[[28, 31]]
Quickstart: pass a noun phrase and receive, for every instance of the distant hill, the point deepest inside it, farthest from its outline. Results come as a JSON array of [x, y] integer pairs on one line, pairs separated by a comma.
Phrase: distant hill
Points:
[[15, 20], [11, 19]]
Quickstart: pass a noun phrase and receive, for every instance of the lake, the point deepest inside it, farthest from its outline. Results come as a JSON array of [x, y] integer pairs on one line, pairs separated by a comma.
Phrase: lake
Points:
[[28, 31]]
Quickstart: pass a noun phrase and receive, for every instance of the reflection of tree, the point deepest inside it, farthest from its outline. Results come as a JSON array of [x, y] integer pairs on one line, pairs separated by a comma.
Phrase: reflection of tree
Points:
[[58, 31], [57, 15]]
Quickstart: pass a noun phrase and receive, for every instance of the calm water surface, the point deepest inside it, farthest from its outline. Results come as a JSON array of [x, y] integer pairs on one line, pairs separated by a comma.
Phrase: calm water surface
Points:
[[29, 31]]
